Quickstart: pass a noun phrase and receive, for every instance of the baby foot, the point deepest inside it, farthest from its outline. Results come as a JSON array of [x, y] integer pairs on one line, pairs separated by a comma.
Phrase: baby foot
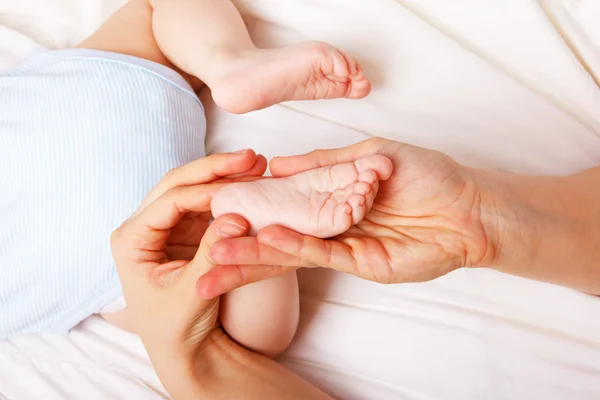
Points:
[[307, 71], [322, 202]]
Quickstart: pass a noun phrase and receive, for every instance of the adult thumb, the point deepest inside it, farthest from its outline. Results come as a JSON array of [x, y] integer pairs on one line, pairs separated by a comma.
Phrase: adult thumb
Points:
[[228, 226]]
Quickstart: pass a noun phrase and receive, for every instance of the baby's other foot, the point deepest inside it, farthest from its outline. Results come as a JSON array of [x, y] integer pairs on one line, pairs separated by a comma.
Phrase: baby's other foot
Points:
[[322, 202], [259, 78]]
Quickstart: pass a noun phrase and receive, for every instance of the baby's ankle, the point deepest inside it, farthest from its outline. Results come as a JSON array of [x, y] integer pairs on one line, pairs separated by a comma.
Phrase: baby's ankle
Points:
[[221, 57]]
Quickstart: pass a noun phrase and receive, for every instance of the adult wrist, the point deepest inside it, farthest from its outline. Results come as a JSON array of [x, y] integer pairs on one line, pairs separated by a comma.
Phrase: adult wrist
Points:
[[186, 373], [220, 368], [543, 228]]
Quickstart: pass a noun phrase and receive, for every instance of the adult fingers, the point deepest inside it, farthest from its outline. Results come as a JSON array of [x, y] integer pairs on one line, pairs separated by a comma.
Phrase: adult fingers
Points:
[[215, 166], [259, 168], [241, 179], [248, 251], [224, 234], [279, 246], [225, 227], [225, 278], [168, 209], [143, 237], [206, 170], [286, 166], [312, 251]]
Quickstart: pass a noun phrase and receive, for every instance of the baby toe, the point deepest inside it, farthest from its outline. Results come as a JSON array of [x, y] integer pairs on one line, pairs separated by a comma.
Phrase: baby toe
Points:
[[356, 201], [368, 177], [341, 67], [342, 219], [359, 207], [370, 197], [359, 89], [382, 165], [362, 188], [352, 65]]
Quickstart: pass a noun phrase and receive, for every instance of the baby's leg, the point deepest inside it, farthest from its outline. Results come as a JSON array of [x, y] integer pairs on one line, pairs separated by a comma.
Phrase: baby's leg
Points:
[[263, 316], [129, 31], [199, 35], [208, 39]]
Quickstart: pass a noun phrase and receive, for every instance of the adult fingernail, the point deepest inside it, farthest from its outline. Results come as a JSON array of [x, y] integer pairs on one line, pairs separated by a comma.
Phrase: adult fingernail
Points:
[[231, 229], [240, 152]]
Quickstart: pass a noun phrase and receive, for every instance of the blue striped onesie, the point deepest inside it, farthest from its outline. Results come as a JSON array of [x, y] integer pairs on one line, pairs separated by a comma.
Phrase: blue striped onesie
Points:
[[84, 135]]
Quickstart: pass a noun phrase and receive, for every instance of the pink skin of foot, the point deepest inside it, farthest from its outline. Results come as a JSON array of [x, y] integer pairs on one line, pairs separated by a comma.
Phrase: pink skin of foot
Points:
[[322, 202], [255, 79]]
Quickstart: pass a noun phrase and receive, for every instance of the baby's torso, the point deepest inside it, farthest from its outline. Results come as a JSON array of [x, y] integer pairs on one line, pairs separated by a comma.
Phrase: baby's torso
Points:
[[84, 135]]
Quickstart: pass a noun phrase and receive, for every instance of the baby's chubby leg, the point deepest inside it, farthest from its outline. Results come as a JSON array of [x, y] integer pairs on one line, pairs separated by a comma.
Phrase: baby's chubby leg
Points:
[[208, 39], [263, 316], [129, 31], [208, 43]]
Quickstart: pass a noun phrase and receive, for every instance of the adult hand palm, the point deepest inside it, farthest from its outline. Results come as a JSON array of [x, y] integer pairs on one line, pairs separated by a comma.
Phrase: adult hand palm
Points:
[[424, 223], [185, 237], [163, 248]]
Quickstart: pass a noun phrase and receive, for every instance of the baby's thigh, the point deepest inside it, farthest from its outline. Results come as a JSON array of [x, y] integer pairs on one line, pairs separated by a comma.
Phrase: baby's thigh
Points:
[[128, 31], [263, 316]]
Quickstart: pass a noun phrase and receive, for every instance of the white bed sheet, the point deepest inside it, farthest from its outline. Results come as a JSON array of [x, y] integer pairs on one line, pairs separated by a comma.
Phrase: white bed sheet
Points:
[[508, 85]]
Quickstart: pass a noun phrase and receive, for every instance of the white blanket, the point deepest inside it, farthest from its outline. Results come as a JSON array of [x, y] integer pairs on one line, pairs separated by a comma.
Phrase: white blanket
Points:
[[508, 85]]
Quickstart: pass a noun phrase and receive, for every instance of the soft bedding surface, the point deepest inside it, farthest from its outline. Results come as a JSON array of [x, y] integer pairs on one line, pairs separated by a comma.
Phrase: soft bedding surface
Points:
[[510, 85]]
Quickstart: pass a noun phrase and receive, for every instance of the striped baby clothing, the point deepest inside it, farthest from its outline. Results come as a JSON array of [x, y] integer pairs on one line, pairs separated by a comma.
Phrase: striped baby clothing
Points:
[[84, 135]]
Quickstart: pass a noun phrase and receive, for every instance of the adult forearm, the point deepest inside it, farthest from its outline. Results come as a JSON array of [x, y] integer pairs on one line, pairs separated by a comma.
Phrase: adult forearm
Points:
[[222, 369], [545, 228]]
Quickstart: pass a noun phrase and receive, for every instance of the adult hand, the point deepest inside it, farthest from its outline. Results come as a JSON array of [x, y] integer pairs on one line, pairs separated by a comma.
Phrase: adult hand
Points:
[[427, 220], [162, 250]]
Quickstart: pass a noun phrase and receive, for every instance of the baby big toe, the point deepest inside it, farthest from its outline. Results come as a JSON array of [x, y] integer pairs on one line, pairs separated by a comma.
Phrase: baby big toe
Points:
[[341, 66], [368, 177], [367, 191], [380, 165]]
